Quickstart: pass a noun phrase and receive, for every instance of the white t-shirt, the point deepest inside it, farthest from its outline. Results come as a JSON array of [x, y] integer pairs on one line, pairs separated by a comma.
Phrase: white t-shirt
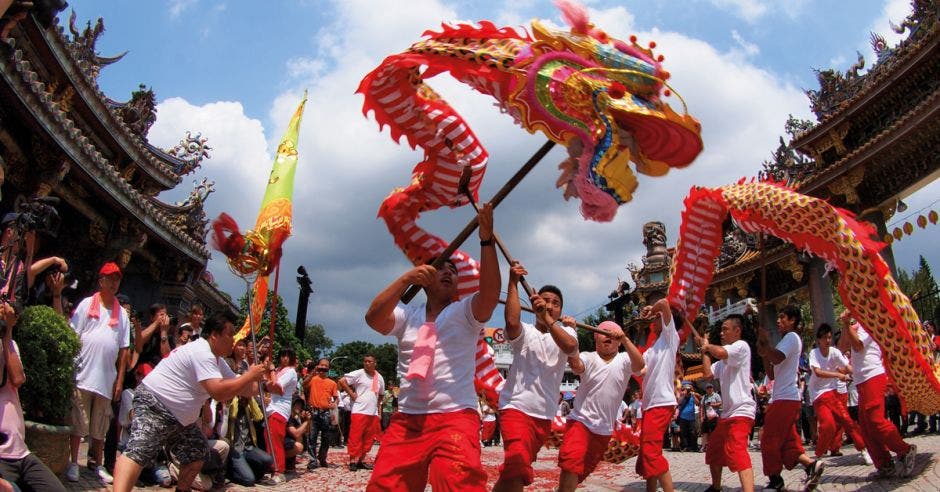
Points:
[[734, 377], [785, 373], [176, 381], [867, 362], [367, 401], [832, 363], [601, 391], [287, 379], [96, 367], [449, 386], [658, 384], [538, 366], [343, 401]]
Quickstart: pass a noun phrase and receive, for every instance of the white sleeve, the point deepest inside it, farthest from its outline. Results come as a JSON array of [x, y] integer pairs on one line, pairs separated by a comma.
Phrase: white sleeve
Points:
[[467, 308], [520, 340], [814, 359], [205, 365], [717, 368], [790, 346], [125, 325], [401, 319], [738, 354], [227, 372]]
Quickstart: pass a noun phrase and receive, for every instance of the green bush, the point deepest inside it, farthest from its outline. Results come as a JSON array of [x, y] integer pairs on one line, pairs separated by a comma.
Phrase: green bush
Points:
[[48, 347]]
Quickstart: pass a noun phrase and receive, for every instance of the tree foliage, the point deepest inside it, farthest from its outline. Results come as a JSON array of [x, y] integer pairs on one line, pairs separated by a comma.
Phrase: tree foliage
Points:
[[586, 338], [283, 328], [316, 341], [348, 357]]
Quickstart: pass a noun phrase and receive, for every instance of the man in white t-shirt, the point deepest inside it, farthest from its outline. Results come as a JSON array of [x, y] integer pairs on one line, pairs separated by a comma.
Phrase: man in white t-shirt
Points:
[[727, 444], [436, 431], [659, 394], [828, 365], [780, 444], [279, 410], [868, 372], [167, 403], [605, 375], [365, 388], [105, 332], [528, 402]]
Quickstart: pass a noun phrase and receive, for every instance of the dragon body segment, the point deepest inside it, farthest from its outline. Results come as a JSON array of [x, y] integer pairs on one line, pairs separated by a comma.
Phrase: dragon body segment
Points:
[[866, 286]]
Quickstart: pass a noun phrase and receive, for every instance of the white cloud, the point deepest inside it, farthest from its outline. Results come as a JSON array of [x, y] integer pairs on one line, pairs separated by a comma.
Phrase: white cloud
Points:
[[347, 167], [749, 10], [893, 11], [177, 7], [748, 49]]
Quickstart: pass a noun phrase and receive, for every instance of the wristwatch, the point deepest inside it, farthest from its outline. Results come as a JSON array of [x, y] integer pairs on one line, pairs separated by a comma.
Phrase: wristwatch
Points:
[[163, 338]]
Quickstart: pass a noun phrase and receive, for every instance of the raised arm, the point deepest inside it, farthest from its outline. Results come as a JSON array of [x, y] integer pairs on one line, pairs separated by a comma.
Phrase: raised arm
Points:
[[485, 301], [849, 333], [381, 314], [512, 310], [567, 343]]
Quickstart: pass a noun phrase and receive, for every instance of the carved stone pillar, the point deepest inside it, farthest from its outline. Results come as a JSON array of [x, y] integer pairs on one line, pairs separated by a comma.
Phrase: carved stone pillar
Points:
[[877, 218], [820, 295]]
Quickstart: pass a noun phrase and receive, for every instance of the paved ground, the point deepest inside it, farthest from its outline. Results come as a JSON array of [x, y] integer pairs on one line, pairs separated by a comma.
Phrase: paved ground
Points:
[[846, 473]]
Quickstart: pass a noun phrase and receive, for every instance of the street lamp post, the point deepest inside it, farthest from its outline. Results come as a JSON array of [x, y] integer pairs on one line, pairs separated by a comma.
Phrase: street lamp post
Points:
[[306, 288], [336, 358]]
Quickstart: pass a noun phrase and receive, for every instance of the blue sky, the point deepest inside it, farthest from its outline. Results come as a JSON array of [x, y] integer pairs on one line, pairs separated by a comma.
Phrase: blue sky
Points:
[[235, 71]]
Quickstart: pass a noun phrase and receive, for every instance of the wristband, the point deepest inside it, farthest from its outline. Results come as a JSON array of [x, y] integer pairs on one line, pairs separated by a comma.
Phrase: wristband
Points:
[[487, 242]]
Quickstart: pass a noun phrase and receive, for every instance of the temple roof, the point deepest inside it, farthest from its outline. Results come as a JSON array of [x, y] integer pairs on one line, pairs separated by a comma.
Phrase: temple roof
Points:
[[167, 221]]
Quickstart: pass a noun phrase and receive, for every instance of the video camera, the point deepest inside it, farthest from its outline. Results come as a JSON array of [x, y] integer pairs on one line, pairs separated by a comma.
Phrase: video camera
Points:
[[39, 215]]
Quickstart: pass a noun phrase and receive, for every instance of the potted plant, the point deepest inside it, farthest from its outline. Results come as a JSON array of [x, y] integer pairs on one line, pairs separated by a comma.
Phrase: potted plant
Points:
[[48, 347]]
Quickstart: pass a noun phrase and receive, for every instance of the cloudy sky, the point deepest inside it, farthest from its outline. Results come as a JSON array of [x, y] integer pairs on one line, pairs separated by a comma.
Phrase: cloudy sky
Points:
[[235, 71]]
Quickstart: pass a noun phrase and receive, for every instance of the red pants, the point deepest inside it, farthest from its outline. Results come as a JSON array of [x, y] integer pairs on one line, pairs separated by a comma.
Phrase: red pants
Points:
[[780, 444], [727, 444], [650, 461], [446, 444], [881, 436], [278, 425], [362, 432], [831, 413], [581, 450], [523, 436], [840, 431], [489, 429]]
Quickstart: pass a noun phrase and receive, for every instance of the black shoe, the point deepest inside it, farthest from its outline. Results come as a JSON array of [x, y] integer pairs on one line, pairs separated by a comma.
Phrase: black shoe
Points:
[[712, 488], [324, 464], [835, 453], [814, 472], [776, 483], [312, 465], [364, 466], [353, 467]]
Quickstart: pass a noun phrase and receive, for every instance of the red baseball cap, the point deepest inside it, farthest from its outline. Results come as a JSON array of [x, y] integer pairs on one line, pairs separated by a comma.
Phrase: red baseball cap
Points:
[[109, 268]]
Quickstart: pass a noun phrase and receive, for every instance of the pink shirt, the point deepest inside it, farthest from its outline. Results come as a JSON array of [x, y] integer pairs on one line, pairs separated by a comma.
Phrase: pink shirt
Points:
[[11, 420]]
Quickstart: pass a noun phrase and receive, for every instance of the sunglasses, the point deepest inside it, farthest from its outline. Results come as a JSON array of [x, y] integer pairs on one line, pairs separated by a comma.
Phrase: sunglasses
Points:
[[321, 369]]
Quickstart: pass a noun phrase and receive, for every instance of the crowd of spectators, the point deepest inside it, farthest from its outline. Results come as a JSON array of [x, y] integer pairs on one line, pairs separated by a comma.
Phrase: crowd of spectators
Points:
[[121, 346]]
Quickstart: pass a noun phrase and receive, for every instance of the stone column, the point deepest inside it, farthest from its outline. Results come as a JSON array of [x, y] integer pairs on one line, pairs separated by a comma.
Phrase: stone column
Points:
[[820, 295], [768, 321], [877, 218]]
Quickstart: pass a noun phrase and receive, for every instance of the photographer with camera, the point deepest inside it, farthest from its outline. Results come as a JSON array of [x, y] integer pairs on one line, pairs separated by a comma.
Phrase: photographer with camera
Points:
[[104, 330], [298, 426], [18, 244]]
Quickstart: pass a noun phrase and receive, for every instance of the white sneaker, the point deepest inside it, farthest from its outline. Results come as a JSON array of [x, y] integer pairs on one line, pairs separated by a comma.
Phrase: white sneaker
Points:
[[866, 457], [105, 477], [71, 473], [275, 479]]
